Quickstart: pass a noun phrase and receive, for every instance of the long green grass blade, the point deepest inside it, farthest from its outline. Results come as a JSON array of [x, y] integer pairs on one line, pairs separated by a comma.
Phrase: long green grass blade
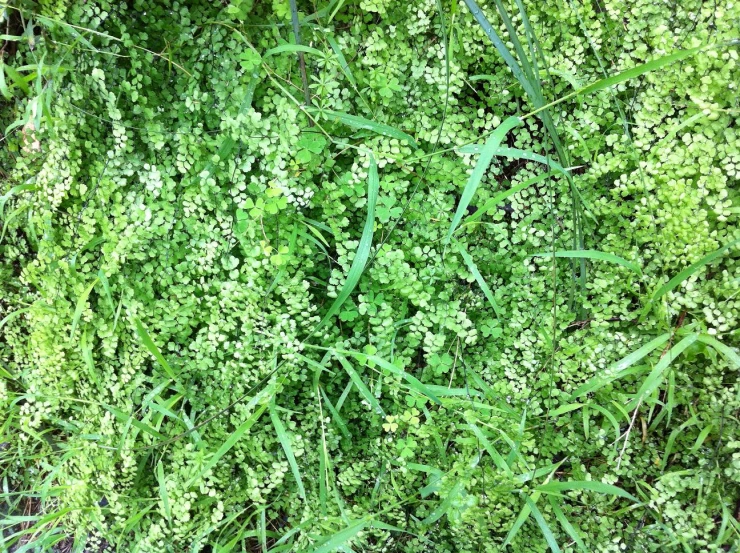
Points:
[[341, 59], [566, 524], [599, 487], [544, 526], [131, 420], [614, 371], [479, 170], [518, 523], [473, 268], [495, 455], [359, 384], [153, 349], [81, 303], [333, 542], [361, 123], [727, 352], [14, 315], [336, 417], [293, 48], [686, 273], [237, 434], [516, 153], [412, 382], [593, 254], [363, 249], [656, 375], [163, 491], [498, 198], [287, 448], [443, 507]]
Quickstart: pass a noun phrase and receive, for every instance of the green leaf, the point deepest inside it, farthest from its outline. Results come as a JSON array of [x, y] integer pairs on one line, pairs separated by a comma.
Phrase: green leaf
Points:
[[363, 249], [479, 279], [333, 542], [17, 78], [686, 273], [163, 491], [342, 61], [364, 124], [542, 523], [479, 170], [519, 522], [81, 302], [336, 417], [599, 487], [292, 48], [565, 523], [4, 90], [567, 408], [133, 421], [15, 314], [287, 448], [443, 507], [615, 371], [153, 349], [359, 384], [637, 71], [237, 434], [313, 142], [516, 153], [727, 352], [655, 377], [412, 382], [593, 254], [495, 455]]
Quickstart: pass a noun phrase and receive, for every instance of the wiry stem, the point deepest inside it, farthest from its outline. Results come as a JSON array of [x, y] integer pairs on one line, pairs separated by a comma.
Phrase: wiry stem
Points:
[[301, 59]]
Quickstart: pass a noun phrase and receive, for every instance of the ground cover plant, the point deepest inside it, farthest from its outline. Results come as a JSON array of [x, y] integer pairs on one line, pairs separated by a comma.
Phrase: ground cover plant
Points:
[[369, 275]]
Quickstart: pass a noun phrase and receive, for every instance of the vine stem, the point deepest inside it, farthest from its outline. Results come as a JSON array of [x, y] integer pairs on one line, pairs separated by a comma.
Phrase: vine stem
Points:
[[301, 58]]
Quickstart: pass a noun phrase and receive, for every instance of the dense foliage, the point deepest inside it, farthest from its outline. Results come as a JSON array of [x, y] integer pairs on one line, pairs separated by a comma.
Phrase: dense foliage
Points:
[[192, 357]]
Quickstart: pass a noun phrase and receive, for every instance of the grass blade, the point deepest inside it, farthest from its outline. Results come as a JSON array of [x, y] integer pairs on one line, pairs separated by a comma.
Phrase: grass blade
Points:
[[15, 314], [656, 375], [336, 417], [335, 541], [542, 523], [236, 435], [593, 254], [131, 420], [153, 349], [412, 382], [293, 48], [363, 248], [516, 153], [565, 523], [344, 66], [359, 384], [357, 122], [479, 170], [686, 273], [495, 455], [81, 302], [443, 507], [163, 491], [493, 202], [479, 279], [599, 487], [518, 523], [285, 442], [614, 372], [727, 352]]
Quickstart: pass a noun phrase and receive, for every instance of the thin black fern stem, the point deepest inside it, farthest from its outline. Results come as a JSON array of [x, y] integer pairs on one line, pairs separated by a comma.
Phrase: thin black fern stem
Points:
[[301, 58]]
